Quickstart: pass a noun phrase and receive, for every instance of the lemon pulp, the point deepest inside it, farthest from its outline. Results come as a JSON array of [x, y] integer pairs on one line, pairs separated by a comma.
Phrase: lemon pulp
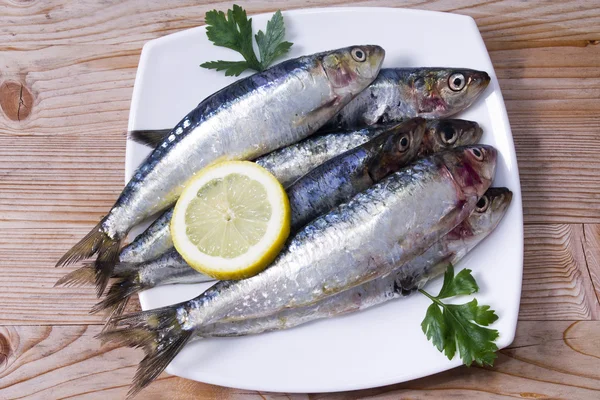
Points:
[[231, 220]]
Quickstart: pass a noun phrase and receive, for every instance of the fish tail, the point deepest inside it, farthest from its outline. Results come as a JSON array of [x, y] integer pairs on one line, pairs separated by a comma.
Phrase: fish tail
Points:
[[148, 137], [158, 332], [108, 257], [86, 247], [82, 276], [116, 312], [97, 241], [119, 293]]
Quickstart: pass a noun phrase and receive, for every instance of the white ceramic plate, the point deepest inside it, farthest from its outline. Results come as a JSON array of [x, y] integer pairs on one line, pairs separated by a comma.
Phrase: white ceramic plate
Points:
[[383, 345]]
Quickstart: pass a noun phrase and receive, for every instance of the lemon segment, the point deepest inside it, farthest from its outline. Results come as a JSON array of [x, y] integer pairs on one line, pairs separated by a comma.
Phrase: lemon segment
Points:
[[231, 220]]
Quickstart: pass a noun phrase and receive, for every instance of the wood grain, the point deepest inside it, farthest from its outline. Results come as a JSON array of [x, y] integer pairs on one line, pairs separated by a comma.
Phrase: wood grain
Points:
[[40, 23], [553, 103], [556, 279], [592, 255], [552, 359], [66, 75]]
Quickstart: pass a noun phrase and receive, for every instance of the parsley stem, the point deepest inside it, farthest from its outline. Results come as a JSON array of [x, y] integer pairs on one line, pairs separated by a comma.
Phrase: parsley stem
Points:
[[434, 299]]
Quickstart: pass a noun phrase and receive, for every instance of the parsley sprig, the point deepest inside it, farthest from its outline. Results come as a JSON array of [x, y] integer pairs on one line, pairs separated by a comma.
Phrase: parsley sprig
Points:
[[449, 326], [234, 31]]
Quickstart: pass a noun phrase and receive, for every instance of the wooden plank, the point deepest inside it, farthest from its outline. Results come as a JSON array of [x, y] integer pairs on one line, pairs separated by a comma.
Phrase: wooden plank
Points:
[[61, 168], [110, 22], [547, 360], [592, 255], [553, 96], [556, 281]]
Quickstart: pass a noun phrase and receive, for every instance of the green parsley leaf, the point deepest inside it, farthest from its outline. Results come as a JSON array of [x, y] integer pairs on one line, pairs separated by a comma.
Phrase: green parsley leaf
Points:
[[463, 283], [462, 326], [271, 44], [234, 31], [232, 68]]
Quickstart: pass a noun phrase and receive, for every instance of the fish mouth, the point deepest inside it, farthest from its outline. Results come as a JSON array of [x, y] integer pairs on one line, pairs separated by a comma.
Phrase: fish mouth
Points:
[[377, 54], [481, 81], [486, 78], [477, 133], [501, 198]]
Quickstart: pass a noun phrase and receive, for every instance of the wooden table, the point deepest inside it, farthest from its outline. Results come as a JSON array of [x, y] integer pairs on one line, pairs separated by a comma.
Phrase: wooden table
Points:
[[67, 69]]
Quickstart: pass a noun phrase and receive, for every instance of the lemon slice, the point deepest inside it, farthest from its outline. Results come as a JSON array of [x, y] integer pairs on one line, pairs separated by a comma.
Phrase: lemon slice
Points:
[[231, 220]]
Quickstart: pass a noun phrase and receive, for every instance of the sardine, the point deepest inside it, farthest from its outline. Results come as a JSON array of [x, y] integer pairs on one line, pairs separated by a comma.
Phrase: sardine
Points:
[[387, 225], [401, 93], [400, 283], [251, 117]]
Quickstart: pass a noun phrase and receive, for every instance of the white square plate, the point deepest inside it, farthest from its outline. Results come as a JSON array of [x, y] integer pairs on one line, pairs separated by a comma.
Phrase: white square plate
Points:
[[383, 345]]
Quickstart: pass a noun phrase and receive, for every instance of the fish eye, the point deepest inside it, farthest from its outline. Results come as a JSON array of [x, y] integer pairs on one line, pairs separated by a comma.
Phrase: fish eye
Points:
[[483, 204], [358, 54], [477, 153], [403, 143], [449, 135], [457, 82]]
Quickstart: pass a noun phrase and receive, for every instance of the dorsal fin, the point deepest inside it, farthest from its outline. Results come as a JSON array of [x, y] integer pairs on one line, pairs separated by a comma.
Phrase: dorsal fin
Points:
[[148, 137]]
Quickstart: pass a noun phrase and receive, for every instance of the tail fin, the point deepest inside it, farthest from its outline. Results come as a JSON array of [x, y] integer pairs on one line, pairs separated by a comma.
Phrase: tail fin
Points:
[[97, 241], [82, 276], [156, 331], [118, 295], [149, 137]]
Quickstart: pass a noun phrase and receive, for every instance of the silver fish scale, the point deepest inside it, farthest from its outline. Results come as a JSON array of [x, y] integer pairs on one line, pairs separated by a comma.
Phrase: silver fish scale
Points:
[[224, 127], [314, 194], [169, 268], [357, 242], [292, 162], [151, 243]]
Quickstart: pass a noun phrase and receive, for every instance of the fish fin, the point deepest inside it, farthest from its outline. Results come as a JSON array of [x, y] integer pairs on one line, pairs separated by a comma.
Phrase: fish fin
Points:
[[108, 257], [118, 295], [86, 247], [156, 331], [322, 113], [107, 248], [116, 312], [148, 137], [81, 276]]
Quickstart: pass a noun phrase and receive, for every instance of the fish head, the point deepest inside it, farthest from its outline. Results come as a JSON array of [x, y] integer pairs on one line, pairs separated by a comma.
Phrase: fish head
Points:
[[442, 92], [350, 70], [489, 210], [443, 134], [472, 168], [395, 148]]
